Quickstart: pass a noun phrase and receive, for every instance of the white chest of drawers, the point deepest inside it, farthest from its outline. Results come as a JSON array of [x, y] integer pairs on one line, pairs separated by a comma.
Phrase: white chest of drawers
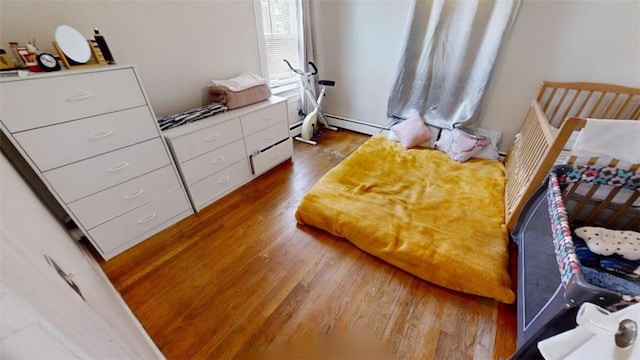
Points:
[[92, 138], [219, 154]]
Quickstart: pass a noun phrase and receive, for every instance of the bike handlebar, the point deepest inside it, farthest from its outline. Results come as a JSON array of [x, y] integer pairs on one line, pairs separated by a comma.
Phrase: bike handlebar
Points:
[[292, 69], [297, 71], [315, 69]]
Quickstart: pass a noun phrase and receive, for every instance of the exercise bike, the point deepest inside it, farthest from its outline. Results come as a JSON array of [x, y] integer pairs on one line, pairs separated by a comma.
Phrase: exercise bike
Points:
[[310, 123]]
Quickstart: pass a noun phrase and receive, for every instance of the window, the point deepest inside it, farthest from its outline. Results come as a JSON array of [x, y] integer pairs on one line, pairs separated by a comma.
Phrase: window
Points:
[[282, 40]]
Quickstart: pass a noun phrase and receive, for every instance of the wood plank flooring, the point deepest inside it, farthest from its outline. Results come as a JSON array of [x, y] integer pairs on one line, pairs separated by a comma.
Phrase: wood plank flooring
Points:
[[241, 279]]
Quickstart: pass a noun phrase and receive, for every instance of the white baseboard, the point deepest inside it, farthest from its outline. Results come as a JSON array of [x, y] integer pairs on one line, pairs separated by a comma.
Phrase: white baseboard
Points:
[[343, 123], [355, 125]]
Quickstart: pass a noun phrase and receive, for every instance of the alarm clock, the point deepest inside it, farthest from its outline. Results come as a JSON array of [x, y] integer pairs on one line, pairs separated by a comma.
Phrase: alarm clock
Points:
[[48, 62]]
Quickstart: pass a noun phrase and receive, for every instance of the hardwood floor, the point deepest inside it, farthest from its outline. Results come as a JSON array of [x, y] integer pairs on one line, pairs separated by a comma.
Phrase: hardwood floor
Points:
[[242, 279]]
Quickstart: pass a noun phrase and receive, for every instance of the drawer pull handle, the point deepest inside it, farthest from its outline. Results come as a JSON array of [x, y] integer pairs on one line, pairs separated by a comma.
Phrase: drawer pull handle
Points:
[[218, 160], [224, 180], [101, 135], [269, 137], [212, 138], [266, 118], [133, 195], [118, 168], [81, 96], [276, 155], [147, 218]]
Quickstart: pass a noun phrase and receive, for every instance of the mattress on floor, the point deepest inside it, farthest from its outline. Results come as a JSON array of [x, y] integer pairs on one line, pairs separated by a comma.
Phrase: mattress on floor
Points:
[[417, 209]]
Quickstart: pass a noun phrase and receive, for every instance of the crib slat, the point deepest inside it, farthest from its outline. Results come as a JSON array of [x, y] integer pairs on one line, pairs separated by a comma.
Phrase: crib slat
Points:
[[583, 202], [584, 103], [573, 101], [635, 114], [571, 189], [623, 107], [596, 213], [592, 113], [623, 209], [560, 103], [609, 106], [541, 91], [548, 102]]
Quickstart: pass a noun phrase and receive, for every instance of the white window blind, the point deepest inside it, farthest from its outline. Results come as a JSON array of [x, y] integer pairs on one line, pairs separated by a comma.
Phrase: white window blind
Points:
[[282, 39]]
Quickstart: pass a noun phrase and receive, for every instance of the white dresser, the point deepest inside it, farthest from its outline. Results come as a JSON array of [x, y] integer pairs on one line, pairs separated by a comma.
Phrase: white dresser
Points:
[[220, 153], [92, 138]]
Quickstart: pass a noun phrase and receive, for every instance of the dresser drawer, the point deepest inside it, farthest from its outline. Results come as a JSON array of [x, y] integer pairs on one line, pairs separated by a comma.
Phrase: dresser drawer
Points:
[[113, 234], [272, 157], [267, 137], [61, 144], [264, 118], [37, 102], [208, 164], [215, 186], [98, 208], [202, 141], [89, 176]]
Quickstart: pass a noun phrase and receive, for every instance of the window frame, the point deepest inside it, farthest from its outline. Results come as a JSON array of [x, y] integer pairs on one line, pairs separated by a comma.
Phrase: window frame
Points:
[[277, 85]]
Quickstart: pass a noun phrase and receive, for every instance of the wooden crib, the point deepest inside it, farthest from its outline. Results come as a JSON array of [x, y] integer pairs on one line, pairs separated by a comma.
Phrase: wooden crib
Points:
[[558, 110]]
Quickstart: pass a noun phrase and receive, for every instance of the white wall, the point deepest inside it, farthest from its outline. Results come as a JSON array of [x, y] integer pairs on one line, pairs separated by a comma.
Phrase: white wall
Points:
[[177, 46], [359, 44], [594, 41]]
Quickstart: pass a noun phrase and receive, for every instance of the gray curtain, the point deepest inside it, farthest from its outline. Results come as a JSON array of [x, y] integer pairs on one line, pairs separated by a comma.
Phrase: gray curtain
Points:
[[308, 49], [450, 49]]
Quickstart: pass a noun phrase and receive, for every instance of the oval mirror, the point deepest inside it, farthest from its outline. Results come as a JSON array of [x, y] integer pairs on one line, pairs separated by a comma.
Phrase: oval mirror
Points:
[[73, 44]]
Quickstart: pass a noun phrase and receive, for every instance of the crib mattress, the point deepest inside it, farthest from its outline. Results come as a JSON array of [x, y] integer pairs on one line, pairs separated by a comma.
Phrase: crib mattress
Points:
[[417, 209]]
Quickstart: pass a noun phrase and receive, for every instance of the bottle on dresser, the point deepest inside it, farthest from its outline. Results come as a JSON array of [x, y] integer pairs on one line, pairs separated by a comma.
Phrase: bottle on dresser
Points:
[[104, 48]]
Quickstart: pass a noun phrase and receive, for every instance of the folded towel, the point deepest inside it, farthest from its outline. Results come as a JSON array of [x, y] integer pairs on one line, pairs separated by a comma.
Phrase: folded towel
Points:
[[241, 82], [236, 99], [616, 138]]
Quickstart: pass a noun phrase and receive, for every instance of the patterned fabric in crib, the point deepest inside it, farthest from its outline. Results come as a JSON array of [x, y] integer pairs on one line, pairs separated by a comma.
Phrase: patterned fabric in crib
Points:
[[562, 239], [566, 256], [603, 175]]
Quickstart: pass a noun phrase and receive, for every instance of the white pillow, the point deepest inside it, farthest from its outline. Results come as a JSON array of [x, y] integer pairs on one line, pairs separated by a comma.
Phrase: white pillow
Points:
[[412, 131], [489, 152], [460, 145], [607, 242]]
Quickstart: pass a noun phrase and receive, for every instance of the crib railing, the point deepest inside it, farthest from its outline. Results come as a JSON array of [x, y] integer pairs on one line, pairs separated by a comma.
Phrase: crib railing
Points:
[[561, 105], [588, 100]]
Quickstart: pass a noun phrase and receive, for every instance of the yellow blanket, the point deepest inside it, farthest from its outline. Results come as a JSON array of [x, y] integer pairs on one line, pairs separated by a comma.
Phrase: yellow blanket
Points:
[[417, 209]]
